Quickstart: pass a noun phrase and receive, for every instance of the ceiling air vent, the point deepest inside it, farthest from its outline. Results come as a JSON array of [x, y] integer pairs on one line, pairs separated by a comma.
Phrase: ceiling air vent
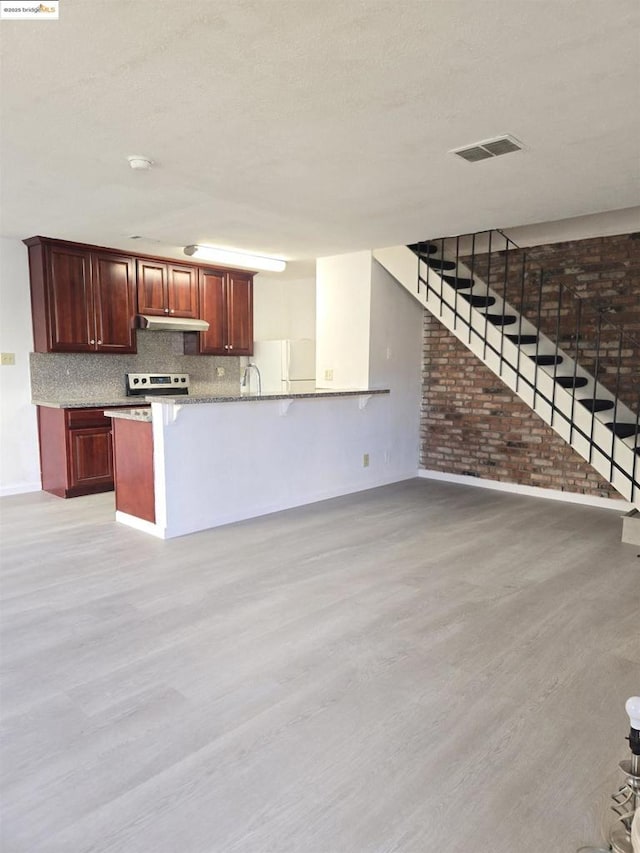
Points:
[[488, 148]]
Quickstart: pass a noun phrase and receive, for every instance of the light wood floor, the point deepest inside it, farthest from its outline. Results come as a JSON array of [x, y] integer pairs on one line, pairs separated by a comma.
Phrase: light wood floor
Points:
[[422, 667]]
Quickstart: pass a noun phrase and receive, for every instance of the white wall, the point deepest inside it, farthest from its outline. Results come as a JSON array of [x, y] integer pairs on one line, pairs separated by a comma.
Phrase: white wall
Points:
[[395, 361], [19, 461], [607, 224], [284, 308], [369, 332], [315, 446], [315, 451], [343, 306]]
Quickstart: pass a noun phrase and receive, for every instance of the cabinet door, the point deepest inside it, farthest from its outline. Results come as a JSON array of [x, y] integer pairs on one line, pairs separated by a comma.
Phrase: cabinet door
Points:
[[239, 313], [212, 309], [70, 303], [90, 460], [133, 467], [152, 288], [52, 437], [114, 299], [182, 287]]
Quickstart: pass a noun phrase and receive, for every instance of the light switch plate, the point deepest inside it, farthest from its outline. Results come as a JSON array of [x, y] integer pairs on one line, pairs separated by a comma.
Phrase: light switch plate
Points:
[[7, 358]]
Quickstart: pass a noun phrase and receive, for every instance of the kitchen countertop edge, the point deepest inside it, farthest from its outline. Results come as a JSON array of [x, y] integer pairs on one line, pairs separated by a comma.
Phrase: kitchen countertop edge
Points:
[[255, 398], [109, 403], [142, 415], [193, 399]]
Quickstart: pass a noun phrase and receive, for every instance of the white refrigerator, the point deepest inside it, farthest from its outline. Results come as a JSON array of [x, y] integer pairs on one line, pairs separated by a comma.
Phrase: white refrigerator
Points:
[[286, 366]]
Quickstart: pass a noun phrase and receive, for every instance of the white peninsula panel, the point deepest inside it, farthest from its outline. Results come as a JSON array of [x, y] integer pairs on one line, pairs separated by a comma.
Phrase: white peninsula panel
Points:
[[221, 462]]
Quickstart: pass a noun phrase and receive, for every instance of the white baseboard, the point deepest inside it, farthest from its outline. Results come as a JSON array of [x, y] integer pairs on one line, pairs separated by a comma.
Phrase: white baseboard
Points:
[[140, 524], [621, 506], [256, 511], [21, 489]]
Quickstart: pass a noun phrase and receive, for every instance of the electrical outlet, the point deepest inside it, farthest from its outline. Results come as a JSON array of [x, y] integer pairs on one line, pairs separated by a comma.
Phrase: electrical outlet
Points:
[[7, 358], [219, 371], [328, 375], [365, 460]]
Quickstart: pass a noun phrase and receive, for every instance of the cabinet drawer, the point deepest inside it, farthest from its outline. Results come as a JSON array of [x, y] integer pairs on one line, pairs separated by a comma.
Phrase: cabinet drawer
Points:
[[86, 418]]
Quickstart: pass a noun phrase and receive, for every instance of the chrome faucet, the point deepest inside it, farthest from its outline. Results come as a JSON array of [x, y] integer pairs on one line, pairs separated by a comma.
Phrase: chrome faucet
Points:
[[246, 378]]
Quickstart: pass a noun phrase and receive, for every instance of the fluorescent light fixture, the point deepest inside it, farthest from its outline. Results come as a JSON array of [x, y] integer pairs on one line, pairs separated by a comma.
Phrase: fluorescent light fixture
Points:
[[235, 259]]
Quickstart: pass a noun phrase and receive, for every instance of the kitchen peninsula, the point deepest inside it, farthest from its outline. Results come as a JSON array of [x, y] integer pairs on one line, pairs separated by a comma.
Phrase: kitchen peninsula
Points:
[[193, 463]]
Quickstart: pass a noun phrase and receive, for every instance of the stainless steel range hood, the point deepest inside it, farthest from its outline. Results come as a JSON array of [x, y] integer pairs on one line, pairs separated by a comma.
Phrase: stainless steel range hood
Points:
[[171, 324]]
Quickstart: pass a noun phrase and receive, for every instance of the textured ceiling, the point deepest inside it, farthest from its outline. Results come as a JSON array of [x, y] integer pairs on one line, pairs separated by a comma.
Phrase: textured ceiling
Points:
[[304, 128]]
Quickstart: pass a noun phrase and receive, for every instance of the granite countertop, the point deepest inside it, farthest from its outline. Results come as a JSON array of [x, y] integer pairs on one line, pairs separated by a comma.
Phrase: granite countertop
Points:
[[137, 402], [130, 414], [252, 398], [89, 403]]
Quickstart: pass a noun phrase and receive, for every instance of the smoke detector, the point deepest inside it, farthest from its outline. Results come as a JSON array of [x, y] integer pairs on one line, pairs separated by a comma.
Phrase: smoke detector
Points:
[[488, 148], [137, 161]]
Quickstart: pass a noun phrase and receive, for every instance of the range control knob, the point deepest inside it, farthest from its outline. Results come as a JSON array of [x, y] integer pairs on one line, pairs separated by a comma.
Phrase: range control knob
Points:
[[136, 380], [184, 379], [143, 381], [176, 379]]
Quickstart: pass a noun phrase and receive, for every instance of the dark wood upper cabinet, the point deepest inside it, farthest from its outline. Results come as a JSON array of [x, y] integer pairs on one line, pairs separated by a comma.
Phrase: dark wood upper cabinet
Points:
[[182, 290], [81, 300], [152, 288], [85, 299], [69, 300], [240, 313], [167, 289], [212, 307], [114, 298], [226, 303]]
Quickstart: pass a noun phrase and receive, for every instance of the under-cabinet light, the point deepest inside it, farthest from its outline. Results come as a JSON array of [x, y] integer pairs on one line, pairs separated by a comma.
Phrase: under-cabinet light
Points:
[[235, 259]]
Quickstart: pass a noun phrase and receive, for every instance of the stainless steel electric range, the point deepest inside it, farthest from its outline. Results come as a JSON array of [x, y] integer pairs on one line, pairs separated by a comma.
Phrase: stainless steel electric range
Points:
[[157, 384]]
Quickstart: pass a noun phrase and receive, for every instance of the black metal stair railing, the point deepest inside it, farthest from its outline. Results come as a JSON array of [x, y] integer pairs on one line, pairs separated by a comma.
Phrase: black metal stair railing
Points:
[[578, 326]]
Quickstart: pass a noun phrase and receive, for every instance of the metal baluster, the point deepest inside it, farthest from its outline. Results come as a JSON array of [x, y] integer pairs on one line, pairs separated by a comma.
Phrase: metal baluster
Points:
[[520, 313], [441, 274], [535, 372], [615, 405], [504, 301], [634, 477], [555, 365], [419, 267], [575, 367], [455, 296], [596, 373], [428, 271], [486, 310], [473, 269]]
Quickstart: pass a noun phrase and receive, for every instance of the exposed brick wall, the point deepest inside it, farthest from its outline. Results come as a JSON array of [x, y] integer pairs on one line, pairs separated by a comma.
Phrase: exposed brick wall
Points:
[[596, 284], [473, 424]]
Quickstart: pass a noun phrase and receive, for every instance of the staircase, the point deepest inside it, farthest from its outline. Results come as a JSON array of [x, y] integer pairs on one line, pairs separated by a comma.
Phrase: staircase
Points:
[[575, 370]]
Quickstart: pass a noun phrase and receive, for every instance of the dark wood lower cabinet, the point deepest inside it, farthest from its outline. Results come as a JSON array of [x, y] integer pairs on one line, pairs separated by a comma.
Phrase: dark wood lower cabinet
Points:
[[76, 453], [91, 459], [133, 446]]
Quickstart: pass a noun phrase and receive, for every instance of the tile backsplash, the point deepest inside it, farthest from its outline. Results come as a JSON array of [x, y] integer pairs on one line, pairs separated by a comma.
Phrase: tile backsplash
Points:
[[91, 375]]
